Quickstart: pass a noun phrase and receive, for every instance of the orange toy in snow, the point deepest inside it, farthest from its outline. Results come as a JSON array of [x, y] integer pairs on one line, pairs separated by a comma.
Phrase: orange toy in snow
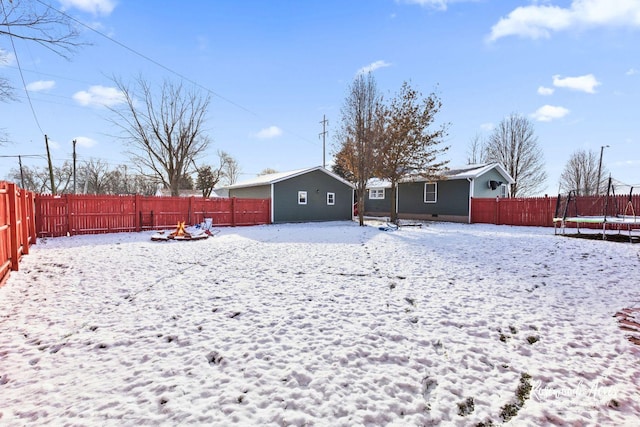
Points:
[[201, 231], [180, 231]]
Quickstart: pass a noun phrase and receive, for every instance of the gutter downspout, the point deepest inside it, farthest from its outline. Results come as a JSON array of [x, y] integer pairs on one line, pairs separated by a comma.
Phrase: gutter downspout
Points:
[[470, 197], [272, 205]]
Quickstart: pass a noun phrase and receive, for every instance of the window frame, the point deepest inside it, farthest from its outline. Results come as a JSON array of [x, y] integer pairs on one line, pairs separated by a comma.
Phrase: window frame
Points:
[[331, 199], [302, 197], [376, 191], [434, 192]]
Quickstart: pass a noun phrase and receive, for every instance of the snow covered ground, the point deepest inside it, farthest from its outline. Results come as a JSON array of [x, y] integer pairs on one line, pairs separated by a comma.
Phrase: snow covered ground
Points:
[[322, 324]]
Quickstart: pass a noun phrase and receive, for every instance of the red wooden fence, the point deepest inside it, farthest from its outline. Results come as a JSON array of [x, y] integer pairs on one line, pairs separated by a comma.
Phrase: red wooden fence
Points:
[[533, 211], [539, 211], [88, 214], [17, 226]]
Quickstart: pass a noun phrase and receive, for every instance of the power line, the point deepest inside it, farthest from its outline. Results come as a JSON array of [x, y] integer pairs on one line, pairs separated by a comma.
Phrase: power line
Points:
[[147, 58], [24, 84], [164, 67]]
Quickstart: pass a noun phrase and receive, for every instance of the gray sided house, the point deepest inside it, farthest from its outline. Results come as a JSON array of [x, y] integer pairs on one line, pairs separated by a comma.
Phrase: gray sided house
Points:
[[313, 194], [448, 199]]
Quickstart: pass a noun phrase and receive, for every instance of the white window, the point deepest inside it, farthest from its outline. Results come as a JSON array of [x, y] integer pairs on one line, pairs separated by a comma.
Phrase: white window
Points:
[[331, 198], [376, 193], [431, 192], [503, 191], [302, 197]]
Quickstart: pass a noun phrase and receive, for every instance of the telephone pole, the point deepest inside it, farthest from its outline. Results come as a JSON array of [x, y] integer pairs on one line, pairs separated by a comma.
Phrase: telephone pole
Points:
[[21, 172], [324, 132], [53, 185]]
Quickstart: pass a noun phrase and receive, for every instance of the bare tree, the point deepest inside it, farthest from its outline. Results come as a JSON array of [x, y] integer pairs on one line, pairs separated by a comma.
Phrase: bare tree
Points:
[[514, 145], [121, 181], [358, 134], [36, 22], [37, 179], [95, 177], [580, 174], [408, 144], [166, 129], [29, 178], [476, 151], [6, 90], [6, 95], [230, 166], [267, 171]]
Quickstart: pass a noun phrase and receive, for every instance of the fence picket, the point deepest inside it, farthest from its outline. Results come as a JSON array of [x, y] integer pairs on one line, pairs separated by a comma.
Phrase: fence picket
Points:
[[91, 214], [17, 227], [539, 211]]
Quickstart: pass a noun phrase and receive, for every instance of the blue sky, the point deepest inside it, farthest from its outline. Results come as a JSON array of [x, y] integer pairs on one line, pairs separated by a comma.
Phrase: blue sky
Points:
[[276, 67]]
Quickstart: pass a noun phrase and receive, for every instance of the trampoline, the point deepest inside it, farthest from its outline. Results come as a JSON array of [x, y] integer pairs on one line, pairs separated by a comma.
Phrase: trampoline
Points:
[[575, 210]]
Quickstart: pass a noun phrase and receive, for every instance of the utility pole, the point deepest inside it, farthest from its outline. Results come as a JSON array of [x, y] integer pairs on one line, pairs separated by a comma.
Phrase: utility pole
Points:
[[53, 186], [74, 167], [21, 172], [600, 169], [324, 132]]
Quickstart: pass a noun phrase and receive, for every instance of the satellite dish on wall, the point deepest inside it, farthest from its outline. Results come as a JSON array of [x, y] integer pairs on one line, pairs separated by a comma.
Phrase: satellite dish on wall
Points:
[[494, 184]]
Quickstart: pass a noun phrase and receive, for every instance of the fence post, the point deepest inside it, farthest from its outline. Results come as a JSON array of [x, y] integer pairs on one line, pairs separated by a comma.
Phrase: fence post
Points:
[[233, 211], [68, 205], [31, 202], [547, 219], [13, 228], [136, 213], [497, 210], [189, 207], [24, 225]]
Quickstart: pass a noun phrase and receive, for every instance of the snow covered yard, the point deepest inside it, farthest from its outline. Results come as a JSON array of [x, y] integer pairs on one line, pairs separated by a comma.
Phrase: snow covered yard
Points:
[[322, 324]]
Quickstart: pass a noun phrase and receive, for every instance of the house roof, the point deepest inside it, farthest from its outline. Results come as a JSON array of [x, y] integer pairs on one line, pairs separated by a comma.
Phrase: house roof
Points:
[[273, 178], [378, 183], [469, 172], [474, 171], [464, 172]]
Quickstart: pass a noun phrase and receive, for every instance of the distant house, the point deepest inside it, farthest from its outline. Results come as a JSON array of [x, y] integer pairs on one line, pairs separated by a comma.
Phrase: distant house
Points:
[[312, 194], [448, 199]]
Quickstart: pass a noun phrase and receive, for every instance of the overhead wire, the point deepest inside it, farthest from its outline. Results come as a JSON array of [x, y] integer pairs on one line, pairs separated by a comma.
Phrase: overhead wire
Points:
[[159, 64], [147, 58], [122, 45], [24, 84]]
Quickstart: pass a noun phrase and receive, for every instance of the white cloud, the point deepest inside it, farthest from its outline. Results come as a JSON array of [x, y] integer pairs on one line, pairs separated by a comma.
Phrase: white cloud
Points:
[[586, 83], [487, 127], [546, 91], [96, 7], [631, 72], [83, 141], [41, 85], [6, 58], [54, 145], [268, 133], [99, 96], [547, 113], [373, 66], [539, 21]]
